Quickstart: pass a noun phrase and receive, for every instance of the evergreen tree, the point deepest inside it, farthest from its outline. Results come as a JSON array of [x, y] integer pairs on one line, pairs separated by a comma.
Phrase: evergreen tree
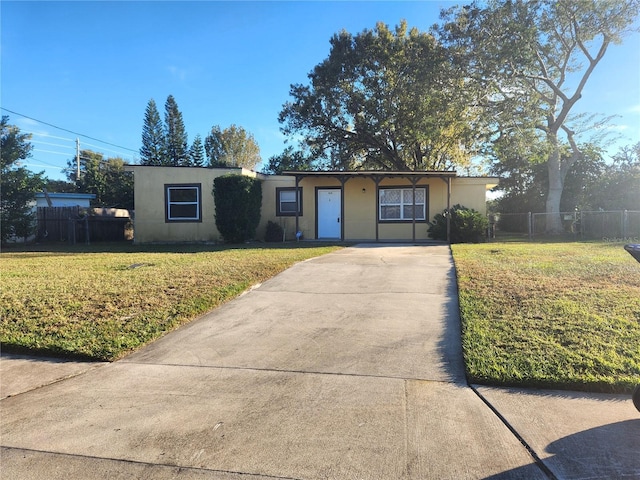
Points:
[[175, 135], [153, 150], [196, 152]]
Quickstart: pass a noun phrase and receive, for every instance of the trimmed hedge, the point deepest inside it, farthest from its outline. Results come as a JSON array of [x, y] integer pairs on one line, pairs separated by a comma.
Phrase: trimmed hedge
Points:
[[238, 201]]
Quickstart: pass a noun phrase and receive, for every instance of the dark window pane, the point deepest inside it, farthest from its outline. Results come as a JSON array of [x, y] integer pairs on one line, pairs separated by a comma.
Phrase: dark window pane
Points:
[[409, 209], [390, 212], [183, 195], [189, 211], [287, 207]]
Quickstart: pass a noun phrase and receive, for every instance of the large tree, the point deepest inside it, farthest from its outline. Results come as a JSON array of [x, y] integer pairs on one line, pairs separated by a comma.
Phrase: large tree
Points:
[[153, 150], [105, 178], [618, 185], [176, 140], [17, 184], [231, 147], [290, 159], [523, 180], [384, 100], [529, 62]]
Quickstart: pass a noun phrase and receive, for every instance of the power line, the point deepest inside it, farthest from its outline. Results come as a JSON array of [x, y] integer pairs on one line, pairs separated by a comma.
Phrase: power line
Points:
[[41, 164], [53, 144], [52, 152], [40, 142], [51, 136], [107, 149], [67, 130]]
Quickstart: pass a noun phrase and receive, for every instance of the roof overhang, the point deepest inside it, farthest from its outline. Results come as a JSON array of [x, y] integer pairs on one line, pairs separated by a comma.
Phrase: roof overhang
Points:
[[67, 196], [374, 174]]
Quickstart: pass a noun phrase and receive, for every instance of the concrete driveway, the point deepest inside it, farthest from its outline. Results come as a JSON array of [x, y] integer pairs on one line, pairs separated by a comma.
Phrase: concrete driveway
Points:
[[346, 366]]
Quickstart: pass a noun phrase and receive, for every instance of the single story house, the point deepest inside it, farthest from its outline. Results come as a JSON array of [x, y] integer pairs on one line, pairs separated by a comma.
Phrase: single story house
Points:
[[82, 200], [175, 204]]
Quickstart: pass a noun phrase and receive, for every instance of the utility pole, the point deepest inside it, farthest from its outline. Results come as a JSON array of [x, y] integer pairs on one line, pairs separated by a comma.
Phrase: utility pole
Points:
[[77, 159]]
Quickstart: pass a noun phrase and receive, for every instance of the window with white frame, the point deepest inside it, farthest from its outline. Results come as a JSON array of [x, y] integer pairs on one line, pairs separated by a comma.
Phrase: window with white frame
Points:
[[183, 202], [398, 204], [286, 201]]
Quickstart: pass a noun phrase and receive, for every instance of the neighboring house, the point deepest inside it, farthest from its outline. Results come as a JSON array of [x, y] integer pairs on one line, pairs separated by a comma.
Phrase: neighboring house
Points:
[[175, 204], [82, 200], [69, 217]]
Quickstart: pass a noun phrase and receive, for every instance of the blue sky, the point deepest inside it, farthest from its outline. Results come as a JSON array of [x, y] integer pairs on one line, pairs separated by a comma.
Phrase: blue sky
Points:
[[91, 68]]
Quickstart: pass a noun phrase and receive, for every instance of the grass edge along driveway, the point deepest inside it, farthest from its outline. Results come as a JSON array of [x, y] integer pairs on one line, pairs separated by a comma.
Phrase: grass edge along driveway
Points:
[[102, 302], [555, 315]]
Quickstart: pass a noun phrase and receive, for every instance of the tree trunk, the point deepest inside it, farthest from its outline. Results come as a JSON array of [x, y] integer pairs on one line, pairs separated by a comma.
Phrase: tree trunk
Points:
[[556, 184]]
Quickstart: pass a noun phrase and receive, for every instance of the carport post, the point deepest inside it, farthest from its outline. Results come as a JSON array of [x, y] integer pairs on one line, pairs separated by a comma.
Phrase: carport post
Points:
[[447, 180], [449, 209], [377, 179], [414, 181], [343, 179], [297, 206]]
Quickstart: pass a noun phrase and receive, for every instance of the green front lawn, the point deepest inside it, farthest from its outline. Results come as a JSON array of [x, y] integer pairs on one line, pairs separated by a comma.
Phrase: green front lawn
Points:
[[559, 315], [101, 304]]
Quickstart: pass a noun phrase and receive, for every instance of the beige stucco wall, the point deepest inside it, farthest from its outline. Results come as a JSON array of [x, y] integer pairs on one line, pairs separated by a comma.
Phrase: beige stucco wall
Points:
[[471, 192], [360, 204], [149, 223], [360, 208], [268, 212]]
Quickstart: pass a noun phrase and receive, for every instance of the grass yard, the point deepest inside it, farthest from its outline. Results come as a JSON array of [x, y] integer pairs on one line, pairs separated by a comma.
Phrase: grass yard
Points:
[[101, 303], [559, 315]]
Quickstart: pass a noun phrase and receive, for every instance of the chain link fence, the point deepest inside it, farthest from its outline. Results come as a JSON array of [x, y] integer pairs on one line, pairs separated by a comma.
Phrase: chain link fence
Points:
[[612, 226]]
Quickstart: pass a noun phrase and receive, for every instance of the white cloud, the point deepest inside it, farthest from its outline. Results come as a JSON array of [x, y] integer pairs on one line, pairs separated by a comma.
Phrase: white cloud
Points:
[[178, 73], [616, 128]]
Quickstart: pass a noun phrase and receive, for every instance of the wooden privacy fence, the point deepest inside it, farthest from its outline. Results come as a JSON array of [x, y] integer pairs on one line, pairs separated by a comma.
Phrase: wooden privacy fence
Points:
[[81, 225]]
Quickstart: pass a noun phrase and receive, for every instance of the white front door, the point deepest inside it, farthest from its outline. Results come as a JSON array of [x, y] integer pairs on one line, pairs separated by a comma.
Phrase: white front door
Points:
[[329, 213]]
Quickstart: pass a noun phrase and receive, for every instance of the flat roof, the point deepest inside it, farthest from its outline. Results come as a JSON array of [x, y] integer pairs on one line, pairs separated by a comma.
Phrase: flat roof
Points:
[[73, 196], [372, 173]]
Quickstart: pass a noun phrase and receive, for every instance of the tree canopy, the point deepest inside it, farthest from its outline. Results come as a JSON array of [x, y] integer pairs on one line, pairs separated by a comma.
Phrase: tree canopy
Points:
[[291, 159], [231, 147], [105, 178], [17, 184], [528, 63], [383, 100]]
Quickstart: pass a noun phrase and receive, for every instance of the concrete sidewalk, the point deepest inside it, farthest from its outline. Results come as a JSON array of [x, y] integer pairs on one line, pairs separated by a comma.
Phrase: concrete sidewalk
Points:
[[347, 366]]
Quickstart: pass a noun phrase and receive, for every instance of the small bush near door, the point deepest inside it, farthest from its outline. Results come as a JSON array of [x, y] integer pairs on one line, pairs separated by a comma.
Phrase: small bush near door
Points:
[[238, 202], [274, 232], [467, 225]]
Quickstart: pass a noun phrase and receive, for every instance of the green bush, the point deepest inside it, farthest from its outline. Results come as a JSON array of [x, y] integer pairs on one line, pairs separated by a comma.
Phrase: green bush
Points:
[[274, 232], [238, 202], [467, 225]]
